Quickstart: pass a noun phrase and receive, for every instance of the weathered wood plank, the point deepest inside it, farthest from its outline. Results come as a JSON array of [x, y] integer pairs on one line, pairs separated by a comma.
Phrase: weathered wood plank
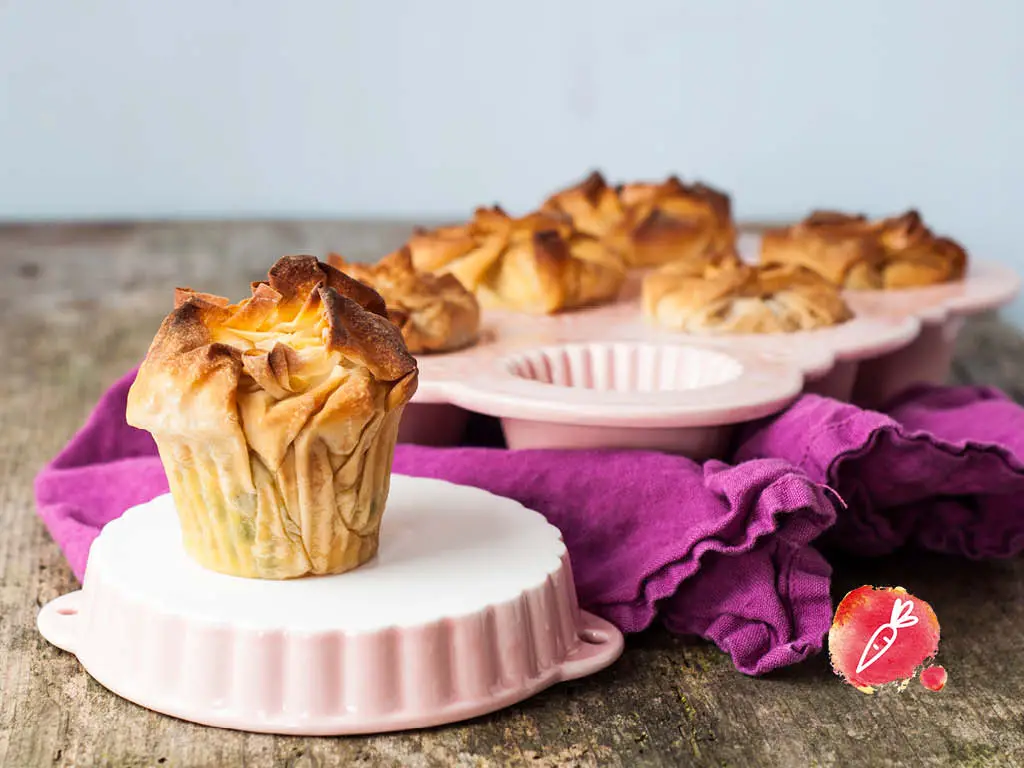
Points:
[[79, 305]]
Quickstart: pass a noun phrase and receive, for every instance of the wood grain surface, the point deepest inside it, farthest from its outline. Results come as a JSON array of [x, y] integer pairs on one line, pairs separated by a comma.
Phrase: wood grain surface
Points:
[[79, 305]]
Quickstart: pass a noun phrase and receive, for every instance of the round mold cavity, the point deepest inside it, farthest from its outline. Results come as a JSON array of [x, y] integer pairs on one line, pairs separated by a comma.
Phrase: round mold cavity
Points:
[[626, 367]]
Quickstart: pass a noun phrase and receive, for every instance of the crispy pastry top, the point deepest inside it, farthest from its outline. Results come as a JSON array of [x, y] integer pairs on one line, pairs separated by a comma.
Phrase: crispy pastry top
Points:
[[649, 223], [537, 263], [729, 296], [434, 312], [592, 205], [306, 325], [852, 251]]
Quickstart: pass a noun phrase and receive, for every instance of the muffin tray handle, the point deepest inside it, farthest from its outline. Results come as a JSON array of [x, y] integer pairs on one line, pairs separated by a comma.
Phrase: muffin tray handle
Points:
[[601, 643], [58, 620]]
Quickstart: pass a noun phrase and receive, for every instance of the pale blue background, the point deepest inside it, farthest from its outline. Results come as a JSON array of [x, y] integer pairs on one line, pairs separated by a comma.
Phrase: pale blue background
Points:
[[213, 108]]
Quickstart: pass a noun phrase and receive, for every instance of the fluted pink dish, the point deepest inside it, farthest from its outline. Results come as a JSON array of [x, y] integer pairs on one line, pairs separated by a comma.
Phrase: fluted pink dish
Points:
[[468, 607]]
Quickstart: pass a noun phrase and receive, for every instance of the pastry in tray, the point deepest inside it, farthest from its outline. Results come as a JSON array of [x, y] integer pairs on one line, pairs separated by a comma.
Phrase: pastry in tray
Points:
[[854, 252], [276, 420], [538, 263], [434, 312], [721, 294], [593, 206], [649, 223]]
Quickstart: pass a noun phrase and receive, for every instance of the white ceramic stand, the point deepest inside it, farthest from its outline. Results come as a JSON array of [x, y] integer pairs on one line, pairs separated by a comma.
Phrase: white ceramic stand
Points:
[[468, 607]]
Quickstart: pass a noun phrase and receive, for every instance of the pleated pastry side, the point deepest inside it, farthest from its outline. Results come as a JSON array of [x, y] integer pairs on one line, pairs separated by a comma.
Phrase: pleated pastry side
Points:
[[319, 513]]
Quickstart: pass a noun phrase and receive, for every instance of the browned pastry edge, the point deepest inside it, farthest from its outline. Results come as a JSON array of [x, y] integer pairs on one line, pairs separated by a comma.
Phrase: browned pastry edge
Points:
[[356, 317], [435, 313], [717, 201], [592, 205], [590, 188], [538, 263], [854, 252], [705, 295], [670, 220], [295, 276], [648, 223]]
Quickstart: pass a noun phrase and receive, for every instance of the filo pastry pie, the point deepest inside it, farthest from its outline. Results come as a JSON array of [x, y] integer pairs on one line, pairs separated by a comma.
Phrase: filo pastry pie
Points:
[[434, 312], [276, 420], [538, 263], [854, 252], [649, 223], [728, 296]]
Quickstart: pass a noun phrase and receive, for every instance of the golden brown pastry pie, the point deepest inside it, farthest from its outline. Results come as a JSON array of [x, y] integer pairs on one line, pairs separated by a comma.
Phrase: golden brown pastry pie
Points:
[[647, 223], [538, 263], [853, 252], [732, 297], [276, 420], [434, 312]]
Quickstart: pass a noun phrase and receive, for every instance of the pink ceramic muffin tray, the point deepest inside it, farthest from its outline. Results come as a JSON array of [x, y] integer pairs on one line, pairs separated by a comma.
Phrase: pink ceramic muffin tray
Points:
[[468, 607], [606, 378]]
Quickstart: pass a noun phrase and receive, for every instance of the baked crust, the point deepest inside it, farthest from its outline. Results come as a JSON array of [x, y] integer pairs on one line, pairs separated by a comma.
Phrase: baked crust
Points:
[[649, 223], [914, 256], [434, 312], [728, 296], [592, 205], [539, 263], [276, 420], [851, 251]]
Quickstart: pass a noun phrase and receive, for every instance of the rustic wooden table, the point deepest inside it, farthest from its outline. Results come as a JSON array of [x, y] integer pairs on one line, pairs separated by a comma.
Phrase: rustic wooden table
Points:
[[79, 306]]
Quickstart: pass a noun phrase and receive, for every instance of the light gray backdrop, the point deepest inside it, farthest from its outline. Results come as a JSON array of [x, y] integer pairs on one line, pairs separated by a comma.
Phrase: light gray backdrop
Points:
[[112, 108]]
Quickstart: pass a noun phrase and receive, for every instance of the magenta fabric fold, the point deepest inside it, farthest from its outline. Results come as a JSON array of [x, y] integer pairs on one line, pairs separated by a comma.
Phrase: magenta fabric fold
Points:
[[722, 551], [942, 470]]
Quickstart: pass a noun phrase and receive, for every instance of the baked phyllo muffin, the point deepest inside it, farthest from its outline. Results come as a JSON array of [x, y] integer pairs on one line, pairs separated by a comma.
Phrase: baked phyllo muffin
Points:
[[854, 252], [276, 420], [434, 312], [649, 224], [539, 263], [728, 296]]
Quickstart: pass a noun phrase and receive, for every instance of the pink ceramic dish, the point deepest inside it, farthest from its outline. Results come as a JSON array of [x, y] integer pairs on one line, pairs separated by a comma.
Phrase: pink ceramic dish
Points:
[[468, 607]]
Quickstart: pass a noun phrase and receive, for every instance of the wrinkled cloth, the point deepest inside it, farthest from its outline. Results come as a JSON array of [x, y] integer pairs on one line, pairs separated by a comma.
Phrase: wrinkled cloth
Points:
[[942, 470], [722, 551]]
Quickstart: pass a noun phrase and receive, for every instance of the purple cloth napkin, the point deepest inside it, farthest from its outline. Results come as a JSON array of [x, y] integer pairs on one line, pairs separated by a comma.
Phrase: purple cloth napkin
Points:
[[719, 551]]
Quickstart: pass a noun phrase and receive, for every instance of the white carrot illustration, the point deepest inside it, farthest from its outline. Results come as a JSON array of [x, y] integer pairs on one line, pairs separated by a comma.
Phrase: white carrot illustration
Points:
[[884, 637]]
